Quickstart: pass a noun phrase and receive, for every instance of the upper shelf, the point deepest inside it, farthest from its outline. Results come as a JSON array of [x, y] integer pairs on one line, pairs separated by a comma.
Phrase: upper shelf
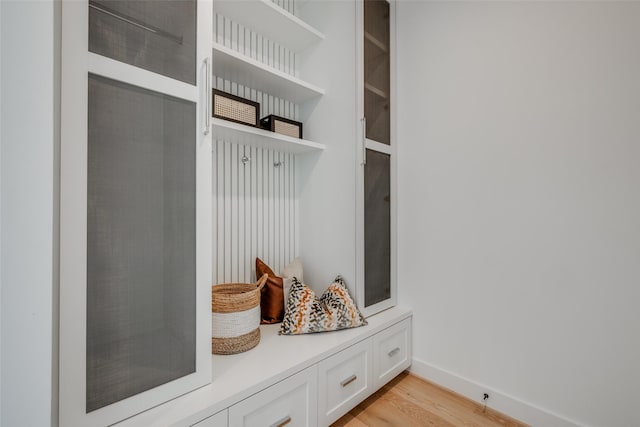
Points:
[[237, 133], [272, 21], [374, 90], [375, 42], [246, 71]]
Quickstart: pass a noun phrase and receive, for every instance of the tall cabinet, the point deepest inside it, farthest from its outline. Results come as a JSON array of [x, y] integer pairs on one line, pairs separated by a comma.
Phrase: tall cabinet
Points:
[[377, 162], [135, 244]]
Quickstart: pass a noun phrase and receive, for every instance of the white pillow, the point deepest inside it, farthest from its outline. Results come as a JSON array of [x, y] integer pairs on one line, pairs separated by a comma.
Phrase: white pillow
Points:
[[294, 269]]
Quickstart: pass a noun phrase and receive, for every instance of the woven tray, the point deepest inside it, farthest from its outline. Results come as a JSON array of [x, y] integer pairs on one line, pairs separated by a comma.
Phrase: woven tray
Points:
[[235, 316]]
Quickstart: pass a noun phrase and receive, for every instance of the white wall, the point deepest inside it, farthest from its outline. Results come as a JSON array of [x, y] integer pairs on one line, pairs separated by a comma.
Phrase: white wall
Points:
[[27, 179], [519, 202]]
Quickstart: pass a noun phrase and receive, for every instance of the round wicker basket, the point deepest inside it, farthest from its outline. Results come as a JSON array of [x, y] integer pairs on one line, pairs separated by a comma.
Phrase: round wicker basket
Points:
[[236, 316]]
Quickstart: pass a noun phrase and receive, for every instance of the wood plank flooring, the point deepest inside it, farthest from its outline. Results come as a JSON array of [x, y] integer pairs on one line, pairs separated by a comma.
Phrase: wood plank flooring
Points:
[[409, 401]]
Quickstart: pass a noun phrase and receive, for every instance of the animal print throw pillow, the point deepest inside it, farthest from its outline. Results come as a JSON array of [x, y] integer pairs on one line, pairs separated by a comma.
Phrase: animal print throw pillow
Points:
[[334, 310]]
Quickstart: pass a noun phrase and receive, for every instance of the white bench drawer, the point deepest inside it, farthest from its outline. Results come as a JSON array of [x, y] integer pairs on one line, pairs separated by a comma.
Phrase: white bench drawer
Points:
[[345, 379], [217, 420], [292, 403], [392, 352]]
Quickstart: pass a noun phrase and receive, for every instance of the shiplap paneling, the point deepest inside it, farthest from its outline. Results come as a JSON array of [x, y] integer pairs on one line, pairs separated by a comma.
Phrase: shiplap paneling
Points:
[[239, 38], [254, 211]]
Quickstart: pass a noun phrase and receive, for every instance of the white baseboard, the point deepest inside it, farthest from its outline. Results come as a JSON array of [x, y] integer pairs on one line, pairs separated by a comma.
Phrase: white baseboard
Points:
[[501, 402]]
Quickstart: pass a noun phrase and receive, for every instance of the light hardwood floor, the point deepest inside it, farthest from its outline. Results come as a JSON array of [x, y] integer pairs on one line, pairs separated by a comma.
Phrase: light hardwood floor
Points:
[[409, 401]]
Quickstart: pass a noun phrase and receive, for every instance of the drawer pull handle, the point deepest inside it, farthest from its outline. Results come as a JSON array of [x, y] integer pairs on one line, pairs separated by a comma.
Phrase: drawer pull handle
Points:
[[282, 422], [394, 352], [348, 381]]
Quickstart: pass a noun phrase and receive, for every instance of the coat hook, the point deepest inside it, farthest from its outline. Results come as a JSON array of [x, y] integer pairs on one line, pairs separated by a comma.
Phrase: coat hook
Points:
[[245, 160], [277, 164]]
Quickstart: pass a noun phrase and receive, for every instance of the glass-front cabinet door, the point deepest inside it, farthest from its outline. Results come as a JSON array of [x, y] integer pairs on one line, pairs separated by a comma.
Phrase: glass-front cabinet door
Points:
[[377, 69], [135, 206], [376, 239]]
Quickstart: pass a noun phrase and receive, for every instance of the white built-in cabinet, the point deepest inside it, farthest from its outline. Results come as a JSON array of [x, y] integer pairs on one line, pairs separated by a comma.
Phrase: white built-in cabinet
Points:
[[135, 208], [159, 200]]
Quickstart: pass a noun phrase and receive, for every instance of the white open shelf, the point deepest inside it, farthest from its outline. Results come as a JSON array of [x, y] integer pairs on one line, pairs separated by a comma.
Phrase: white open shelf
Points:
[[378, 92], [270, 20], [375, 42], [237, 133], [247, 71]]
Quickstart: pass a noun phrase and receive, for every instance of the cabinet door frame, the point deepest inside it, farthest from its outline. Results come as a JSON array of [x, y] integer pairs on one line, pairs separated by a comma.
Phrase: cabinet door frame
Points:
[[369, 144], [76, 65]]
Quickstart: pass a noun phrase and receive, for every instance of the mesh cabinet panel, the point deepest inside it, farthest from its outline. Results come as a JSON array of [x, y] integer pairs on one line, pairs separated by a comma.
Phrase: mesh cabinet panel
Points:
[[141, 271]]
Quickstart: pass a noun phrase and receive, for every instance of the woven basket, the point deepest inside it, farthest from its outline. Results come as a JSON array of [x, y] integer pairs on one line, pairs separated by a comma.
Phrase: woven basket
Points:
[[236, 316]]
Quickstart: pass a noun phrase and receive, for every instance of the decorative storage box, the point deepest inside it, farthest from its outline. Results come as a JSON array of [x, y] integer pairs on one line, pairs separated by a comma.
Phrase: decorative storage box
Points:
[[281, 125], [234, 108], [235, 323]]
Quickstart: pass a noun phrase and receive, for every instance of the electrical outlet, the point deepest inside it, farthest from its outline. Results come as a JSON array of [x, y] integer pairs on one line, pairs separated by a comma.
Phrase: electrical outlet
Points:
[[485, 397]]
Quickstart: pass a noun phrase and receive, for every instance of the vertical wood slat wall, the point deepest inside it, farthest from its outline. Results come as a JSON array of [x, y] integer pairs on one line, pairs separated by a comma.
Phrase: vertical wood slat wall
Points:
[[254, 211], [254, 204]]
